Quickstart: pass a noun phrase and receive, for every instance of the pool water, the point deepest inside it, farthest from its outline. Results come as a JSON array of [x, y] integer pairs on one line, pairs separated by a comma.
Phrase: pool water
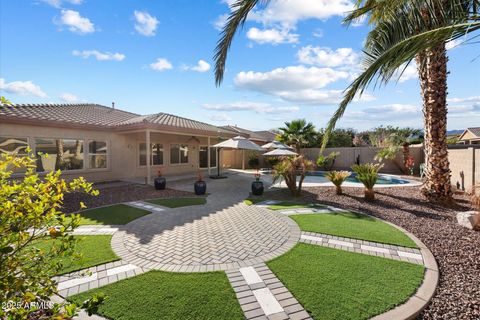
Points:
[[382, 179]]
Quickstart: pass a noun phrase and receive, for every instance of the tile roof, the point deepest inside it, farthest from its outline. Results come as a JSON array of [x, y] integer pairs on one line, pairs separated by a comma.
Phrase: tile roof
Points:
[[247, 133], [268, 135], [101, 116], [475, 131]]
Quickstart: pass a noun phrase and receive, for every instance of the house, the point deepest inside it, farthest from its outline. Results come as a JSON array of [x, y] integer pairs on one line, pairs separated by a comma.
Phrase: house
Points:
[[470, 136], [259, 137], [103, 143]]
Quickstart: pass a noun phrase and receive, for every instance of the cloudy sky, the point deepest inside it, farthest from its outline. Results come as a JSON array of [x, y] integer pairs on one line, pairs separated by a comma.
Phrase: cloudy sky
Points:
[[292, 60]]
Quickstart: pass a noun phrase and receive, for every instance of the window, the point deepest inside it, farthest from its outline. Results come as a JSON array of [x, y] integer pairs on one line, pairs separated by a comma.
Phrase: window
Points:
[[178, 153], [97, 154], [203, 157], [213, 157], [55, 154], [156, 154], [17, 146]]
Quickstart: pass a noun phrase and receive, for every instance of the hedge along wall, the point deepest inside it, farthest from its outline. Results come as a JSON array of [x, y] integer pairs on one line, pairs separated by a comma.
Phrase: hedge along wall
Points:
[[348, 157]]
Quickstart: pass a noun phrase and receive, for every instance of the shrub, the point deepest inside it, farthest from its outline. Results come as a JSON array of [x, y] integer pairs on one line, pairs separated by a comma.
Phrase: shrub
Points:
[[288, 169], [253, 161], [367, 174], [327, 162], [30, 212], [337, 178]]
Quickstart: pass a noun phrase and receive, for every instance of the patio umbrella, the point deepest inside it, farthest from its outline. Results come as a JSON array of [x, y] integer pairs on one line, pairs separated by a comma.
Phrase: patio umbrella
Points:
[[275, 145], [240, 143], [280, 153]]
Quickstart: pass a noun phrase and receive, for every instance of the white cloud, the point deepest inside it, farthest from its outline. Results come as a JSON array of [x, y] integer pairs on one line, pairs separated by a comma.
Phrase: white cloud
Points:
[[328, 57], [289, 12], [68, 97], [100, 56], [288, 79], [318, 33], [161, 64], [145, 24], [273, 36], [220, 22], [257, 107], [75, 22], [23, 88], [58, 3], [220, 117], [202, 66], [410, 72], [452, 44], [320, 97], [473, 99], [386, 112]]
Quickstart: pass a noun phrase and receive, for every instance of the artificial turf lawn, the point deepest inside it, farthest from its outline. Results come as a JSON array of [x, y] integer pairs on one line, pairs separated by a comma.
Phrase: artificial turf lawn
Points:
[[178, 202], [336, 284], [167, 295], [116, 214], [353, 225], [250, 201], [95, 250], [284, 205]]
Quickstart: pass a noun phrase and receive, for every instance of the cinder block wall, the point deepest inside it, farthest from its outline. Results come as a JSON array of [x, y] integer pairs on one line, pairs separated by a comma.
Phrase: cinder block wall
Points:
[[465, 167]]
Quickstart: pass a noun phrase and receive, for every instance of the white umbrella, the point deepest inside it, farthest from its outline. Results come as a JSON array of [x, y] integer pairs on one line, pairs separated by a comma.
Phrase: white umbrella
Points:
[[275, 145], [280, 153], [241, 143]]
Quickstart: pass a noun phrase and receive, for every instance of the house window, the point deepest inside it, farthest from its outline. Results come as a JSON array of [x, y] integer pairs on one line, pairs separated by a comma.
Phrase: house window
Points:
[[58, 154], [14, 146], [156, 154], [203, 157], [213, 157], [97, 154], [178, 153]]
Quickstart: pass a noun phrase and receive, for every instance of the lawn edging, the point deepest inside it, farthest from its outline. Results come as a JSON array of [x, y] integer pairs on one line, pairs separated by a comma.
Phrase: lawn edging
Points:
[[424, 294]]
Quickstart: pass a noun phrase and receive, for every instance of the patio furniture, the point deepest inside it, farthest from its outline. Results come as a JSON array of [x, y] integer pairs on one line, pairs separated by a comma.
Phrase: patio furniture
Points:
[[240, 143], [422, 170]]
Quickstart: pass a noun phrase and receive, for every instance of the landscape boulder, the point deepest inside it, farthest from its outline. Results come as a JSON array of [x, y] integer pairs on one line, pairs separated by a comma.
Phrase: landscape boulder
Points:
[[469, 219]]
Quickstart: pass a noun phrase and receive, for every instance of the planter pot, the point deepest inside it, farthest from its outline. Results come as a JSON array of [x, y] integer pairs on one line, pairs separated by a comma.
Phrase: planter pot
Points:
[[257, 188], [200, 187], [160, 183], [369, 195]]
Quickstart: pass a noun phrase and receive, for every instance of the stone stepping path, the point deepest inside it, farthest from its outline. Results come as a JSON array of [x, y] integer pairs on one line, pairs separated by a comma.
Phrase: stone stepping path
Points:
[[262, 296], [366, 247], [94, 277], [93, 230], [147, 206], [317, 208]]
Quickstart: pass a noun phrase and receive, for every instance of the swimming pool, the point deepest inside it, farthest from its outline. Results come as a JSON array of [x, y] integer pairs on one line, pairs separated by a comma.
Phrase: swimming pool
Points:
[[382, 178]]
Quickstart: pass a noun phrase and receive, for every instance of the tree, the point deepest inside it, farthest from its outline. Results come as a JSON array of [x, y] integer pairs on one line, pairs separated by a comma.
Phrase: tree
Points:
[[298, 134], [31, 212], [401, 31], [288, 169], [338, 138]]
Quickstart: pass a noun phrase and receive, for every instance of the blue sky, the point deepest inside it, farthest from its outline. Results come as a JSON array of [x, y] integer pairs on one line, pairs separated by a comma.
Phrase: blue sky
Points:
[[292, 60]]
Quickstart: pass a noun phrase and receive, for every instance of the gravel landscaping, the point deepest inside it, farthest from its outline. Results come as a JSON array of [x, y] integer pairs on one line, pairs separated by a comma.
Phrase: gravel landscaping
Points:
[[117, 193], [456, 249]]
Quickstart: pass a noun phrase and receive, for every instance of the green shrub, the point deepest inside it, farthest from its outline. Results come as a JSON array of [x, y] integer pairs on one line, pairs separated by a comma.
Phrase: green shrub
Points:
[[327, 162], [367, 174], [337, 178]]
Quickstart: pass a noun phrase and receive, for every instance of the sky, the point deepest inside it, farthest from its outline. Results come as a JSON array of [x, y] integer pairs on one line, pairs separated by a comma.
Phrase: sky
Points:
[[292, 59]]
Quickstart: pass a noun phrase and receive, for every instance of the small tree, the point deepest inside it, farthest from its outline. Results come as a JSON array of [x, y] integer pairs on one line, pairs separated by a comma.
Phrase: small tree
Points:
[[30, 212], [367, 174], [288, 169], [337, 178], [327, 162]]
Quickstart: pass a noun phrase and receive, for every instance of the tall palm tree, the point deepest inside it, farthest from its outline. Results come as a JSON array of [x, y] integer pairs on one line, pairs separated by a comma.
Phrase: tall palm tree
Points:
[[402, 30], [297, 133]]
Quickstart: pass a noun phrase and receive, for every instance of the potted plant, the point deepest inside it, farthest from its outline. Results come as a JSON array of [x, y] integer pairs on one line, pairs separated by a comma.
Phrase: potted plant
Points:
[[257, 185], [160, 182], [200, 186], [337, 178], [367, 174]]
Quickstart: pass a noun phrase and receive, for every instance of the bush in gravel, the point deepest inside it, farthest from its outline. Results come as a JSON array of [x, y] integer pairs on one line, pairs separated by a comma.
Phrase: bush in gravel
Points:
[[337, 178], [30, 211], [475, 197], [288, 169], [367, 174]]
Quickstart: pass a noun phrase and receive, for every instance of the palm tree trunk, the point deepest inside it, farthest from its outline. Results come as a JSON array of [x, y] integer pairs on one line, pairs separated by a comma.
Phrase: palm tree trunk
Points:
[[432, 69]]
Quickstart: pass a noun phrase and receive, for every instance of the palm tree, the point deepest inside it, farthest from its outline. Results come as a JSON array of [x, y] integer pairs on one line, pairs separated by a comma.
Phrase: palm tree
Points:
[[402, 30], [297, 133]]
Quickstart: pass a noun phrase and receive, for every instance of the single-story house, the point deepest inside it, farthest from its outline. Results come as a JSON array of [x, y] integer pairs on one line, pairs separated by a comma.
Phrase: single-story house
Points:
[[103, 143], [470, 136]]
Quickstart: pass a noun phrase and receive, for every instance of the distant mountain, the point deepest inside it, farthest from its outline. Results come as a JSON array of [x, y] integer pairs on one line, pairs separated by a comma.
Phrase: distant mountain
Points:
[[454, 132]]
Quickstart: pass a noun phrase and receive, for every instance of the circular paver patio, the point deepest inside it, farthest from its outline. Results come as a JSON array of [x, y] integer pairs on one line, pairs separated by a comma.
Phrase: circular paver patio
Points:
[[221, 235]]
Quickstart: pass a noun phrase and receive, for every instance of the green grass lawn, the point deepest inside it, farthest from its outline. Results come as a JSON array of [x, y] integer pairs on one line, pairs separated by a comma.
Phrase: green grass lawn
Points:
[[167, 295], [284, 205], [353, 225], [250, 201], [116, 214], [178, 202], [95, 250], [336, 284]]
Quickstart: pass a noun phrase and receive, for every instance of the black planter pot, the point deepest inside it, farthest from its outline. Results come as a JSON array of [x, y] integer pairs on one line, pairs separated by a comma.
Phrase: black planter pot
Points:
[[160, 183], [200, 187], [257, 188]]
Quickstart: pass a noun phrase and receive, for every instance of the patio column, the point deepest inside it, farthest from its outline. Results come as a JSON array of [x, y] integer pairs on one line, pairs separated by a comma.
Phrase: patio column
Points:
[[243, 159], [208, 154], [149, 151]]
